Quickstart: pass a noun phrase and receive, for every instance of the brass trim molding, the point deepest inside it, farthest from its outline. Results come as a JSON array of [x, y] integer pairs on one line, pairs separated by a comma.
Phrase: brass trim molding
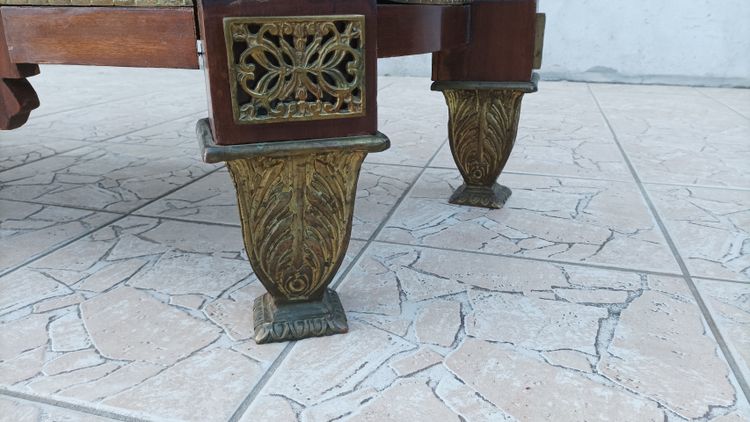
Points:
[[482, 128], [525, 87], [213, 153], [296, 68]]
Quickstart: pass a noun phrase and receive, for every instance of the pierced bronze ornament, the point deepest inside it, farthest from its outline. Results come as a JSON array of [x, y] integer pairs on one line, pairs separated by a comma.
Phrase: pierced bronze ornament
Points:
[[296, 68], [296, 202], [482, 128]]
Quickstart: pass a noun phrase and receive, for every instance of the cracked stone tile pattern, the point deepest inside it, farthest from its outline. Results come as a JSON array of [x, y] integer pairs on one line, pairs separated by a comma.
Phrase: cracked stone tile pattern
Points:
[[125, 293], [710, 226], [576, 220]]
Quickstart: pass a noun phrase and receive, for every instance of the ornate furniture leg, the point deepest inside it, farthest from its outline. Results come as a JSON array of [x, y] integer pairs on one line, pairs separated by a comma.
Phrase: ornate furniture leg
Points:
[[17, 97], [293, 113], [482, 127], [483, 83], [296, 201]]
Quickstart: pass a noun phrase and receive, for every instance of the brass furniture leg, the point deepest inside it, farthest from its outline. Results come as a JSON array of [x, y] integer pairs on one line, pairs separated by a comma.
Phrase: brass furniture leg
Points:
[[296, 201], [482, 127]]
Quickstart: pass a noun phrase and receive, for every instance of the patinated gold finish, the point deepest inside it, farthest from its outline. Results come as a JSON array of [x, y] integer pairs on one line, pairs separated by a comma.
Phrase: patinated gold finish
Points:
[[296, 68], [482, 127], [296, 202], [296, 215]]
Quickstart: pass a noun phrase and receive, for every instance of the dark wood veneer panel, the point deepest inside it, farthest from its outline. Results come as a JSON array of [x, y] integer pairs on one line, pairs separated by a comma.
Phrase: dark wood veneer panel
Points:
[[501, 48], [416, 29], [107, 36]]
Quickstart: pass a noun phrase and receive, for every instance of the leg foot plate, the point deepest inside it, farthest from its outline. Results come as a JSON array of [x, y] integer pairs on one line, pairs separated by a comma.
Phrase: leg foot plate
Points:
[[481, 196], [276, 322]]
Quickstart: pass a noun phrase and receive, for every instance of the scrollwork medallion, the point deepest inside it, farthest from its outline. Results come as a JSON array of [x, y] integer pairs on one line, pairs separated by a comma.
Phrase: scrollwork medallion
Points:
[[296, 68]]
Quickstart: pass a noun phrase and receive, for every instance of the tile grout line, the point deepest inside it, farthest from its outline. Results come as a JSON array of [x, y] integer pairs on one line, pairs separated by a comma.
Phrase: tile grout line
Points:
[[391, 242], [69, 406], [101, 226], [100, 141], [544, 260], [713, 327], [720, 102], [73, 406], [523, 173], [253, 394]]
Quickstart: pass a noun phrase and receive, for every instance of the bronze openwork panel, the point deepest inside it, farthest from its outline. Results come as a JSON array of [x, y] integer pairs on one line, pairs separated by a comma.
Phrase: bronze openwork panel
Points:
[[296, 68]]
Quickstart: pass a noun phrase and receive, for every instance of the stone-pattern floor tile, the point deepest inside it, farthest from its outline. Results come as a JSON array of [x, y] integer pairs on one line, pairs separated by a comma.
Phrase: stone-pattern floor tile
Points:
[[109, 177], [729, 304], [414, 118], [678, 135], [710, 227], [520, 351], [136, 317], [30, 230], [213, 199], [18, 410], [95, 86], [552, 154], [561, 133], [17, 150], [178, 133], [737, 99], [115, 118], [563, 219]]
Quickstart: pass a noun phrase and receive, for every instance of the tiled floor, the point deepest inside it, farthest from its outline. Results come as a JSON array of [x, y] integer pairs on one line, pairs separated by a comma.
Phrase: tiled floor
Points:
[[614, 285]]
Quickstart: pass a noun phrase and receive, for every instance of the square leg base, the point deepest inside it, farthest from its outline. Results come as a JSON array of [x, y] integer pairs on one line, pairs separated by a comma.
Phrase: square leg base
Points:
[[276, 322], [481, 196]]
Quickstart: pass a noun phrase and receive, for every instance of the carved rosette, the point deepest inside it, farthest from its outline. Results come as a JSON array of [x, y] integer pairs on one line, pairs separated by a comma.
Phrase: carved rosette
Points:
[[482, 130], [296, 214], [296, 68]]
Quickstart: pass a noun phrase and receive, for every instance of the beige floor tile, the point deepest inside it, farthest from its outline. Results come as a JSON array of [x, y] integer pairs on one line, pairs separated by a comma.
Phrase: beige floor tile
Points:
[[110, 177], [18, 410], [30, 230], [561, 132], [563, 219], [63, 88], [728, 304], [737, 99], [17, 150], [179, 133], [136, 317], [552, 154], [213, 199], [520, 351], [710, 227], [678, 136], [414, 118], [115, 118]]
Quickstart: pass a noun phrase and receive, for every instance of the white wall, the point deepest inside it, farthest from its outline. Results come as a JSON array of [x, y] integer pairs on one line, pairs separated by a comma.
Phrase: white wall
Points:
[[693, 42]]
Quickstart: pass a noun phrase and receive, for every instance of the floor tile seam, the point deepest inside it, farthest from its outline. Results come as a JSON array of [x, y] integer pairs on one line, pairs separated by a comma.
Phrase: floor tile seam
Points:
[[100, 226], [255, 392], [716, 100], [93, 143], [66, 405], [722, 280], [692, 186], [560, 176], [540, 260], [712, 325]]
